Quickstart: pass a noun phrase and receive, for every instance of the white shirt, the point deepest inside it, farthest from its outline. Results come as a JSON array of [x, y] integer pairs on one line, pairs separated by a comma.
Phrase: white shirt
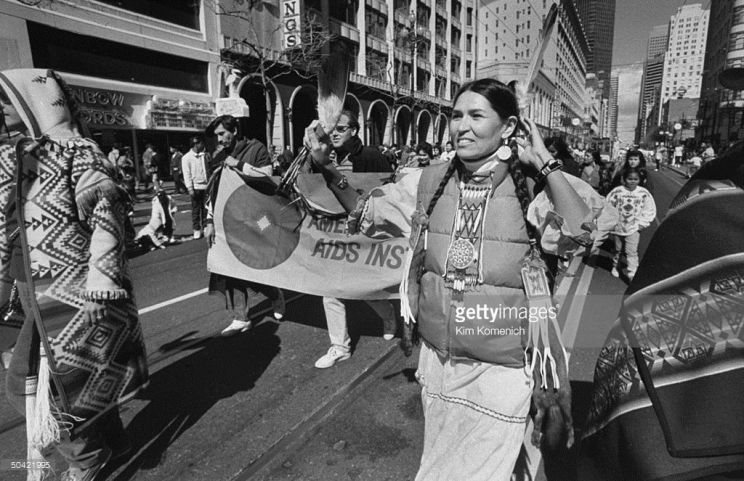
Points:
[[194, 167]]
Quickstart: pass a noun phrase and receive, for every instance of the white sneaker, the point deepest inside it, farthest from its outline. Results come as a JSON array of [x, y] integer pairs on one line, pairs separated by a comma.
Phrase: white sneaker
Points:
[[388, 337], [615, 272], [333, 355], [279, 306], [197, 234], [236, 327]]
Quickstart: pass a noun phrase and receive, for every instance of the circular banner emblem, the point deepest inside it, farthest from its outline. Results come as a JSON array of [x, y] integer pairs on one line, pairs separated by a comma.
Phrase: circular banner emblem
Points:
[[261, 230]]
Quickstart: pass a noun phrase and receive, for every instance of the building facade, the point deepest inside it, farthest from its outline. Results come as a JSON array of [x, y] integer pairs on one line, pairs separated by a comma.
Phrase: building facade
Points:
[[571, 51], [598, 19], [508, 34], [142, 73], [409, 58], [721, 109], [614, 84], [683, 62], [653, 70]]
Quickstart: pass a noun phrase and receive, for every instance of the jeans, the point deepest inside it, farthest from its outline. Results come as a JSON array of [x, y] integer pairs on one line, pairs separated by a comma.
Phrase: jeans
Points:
[[198, 209], [631, 250], [335, 311]]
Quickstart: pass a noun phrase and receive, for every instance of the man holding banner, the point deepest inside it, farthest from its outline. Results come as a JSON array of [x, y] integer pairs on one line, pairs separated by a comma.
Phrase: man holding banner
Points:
[[250, 158], [351, 156]]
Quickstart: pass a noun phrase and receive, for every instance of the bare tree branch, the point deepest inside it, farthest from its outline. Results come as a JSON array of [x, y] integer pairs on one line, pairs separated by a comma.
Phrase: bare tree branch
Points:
[[258, 52]]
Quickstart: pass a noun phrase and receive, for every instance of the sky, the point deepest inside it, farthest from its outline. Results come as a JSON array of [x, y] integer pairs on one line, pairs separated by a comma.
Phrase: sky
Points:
[[633, 22]]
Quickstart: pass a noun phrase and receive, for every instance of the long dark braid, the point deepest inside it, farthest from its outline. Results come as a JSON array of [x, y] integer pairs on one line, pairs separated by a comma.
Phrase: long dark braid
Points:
[[522, 191], [442, 184]]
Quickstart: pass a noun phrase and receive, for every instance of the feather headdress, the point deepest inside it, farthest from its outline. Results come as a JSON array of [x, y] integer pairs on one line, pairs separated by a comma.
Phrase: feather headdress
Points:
[[333, 80]]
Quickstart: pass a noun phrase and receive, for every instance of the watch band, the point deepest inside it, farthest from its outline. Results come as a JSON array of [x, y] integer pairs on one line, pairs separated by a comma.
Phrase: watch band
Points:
[[551, 166]]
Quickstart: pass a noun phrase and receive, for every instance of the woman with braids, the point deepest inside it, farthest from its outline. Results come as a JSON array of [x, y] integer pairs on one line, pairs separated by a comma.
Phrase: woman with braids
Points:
[[476, 236], [63, 223]]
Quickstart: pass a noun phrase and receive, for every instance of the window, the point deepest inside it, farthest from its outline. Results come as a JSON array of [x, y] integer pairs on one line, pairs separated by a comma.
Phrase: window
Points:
[[84, 55], [179, 12]]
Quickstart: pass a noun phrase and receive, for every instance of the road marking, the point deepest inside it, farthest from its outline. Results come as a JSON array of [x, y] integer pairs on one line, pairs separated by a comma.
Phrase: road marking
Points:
[[565, 285], [573, 318], [169, 302]]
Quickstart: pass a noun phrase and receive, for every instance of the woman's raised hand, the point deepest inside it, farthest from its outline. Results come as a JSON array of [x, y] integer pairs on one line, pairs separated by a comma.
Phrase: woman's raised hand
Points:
[[534, 151], [317, 144]]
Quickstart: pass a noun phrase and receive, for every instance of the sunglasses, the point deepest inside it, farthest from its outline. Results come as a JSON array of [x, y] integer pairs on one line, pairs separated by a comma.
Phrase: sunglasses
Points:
[[341, 129]]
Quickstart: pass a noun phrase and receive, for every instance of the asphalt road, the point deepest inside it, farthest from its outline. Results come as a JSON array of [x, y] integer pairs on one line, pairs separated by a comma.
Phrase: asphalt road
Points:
[[254, 407]]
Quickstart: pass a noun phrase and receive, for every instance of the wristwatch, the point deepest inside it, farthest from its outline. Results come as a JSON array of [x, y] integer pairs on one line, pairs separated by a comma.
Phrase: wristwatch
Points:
[[551, 166], [343, 183]]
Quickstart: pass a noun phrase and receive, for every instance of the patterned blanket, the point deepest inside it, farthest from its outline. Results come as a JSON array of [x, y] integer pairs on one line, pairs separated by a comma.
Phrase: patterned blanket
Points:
[[73, 217], [669, 381]]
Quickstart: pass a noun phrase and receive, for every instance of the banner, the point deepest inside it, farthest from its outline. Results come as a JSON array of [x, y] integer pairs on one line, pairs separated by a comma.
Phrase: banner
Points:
[[264, 238]]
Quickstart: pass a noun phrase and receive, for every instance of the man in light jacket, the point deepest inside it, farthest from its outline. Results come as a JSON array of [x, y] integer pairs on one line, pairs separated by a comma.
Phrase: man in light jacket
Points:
[[194, 165]]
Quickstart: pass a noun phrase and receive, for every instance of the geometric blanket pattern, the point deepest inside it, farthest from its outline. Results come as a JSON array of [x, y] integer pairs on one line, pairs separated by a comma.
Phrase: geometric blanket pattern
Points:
[[74, 245]]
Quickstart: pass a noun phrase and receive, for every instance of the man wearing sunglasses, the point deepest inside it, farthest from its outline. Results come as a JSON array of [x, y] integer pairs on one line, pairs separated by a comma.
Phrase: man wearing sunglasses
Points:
[[350, 155]]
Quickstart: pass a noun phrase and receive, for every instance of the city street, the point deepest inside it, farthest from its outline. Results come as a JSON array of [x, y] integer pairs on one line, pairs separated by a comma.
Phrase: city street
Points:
[[254, 407]]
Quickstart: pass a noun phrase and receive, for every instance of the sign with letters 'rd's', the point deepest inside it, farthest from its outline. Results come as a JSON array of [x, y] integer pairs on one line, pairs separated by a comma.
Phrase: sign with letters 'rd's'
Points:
[[291, 23]]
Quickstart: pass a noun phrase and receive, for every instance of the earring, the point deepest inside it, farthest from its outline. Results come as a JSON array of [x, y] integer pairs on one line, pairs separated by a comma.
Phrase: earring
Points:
[[504, 152]]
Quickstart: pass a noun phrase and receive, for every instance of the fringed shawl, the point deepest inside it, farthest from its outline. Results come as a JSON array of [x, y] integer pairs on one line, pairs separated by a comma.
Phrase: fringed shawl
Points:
[[74, 218]]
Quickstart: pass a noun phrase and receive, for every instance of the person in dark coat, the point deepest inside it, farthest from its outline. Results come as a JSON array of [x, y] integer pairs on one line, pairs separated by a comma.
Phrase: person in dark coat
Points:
[[349, 152]]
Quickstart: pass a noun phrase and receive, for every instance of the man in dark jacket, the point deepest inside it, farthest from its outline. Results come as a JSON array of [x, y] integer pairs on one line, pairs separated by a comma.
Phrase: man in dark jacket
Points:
[[349, 155], [249, 157]]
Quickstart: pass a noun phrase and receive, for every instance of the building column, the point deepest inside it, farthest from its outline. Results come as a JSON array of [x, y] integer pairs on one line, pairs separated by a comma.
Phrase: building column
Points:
[[362, 26]]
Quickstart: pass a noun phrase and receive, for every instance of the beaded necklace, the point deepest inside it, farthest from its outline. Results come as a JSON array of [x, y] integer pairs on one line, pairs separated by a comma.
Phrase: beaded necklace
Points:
[[465, 252]]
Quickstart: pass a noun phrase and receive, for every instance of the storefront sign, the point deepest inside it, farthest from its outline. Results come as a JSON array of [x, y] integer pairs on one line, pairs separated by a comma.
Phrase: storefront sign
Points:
[[234, 106], [107, 108], [178, 114], [291, 23]]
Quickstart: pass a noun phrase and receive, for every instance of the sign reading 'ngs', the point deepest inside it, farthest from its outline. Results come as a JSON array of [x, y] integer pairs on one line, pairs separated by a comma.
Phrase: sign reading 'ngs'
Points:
[[292, 23]]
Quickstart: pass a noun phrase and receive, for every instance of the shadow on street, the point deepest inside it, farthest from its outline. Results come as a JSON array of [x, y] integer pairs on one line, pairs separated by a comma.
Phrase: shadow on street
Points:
[[181, 393]]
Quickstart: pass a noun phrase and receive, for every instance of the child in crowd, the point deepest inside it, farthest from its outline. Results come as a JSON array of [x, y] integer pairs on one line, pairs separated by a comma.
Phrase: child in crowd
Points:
[[161, 226], [634, 209]]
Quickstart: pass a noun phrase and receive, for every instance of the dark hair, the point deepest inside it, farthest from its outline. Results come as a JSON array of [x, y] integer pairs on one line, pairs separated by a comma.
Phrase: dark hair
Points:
[[596, 157], [353, 121], [426, 147], [228, 122], [196, 139], [499, 95], [4, 99], [635, 153], [632, 170], [504, 102], [561, 147]]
